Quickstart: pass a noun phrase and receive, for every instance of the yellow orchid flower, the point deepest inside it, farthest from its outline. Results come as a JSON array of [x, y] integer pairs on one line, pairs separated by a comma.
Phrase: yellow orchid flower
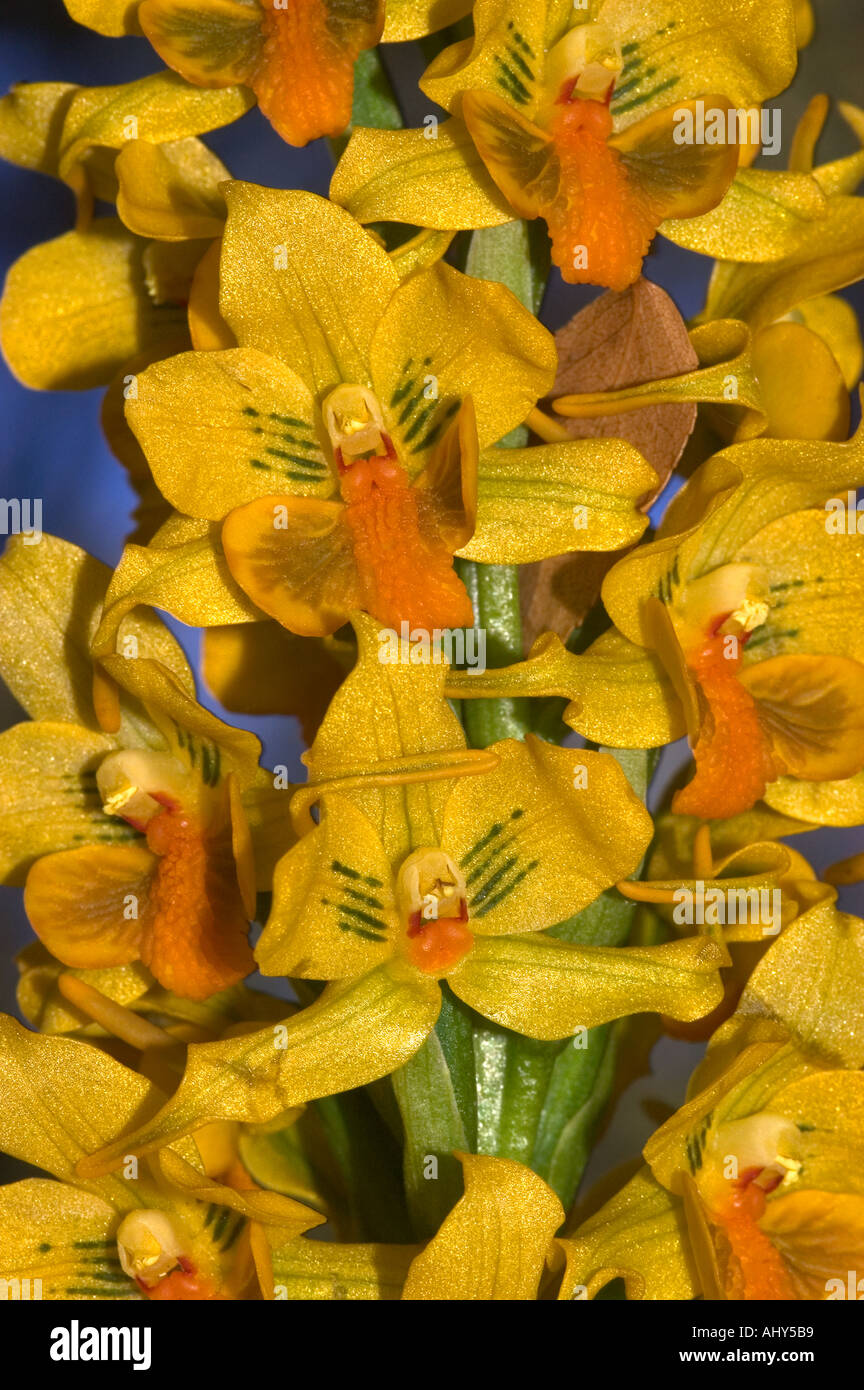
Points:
[[96, 139], [569, 116], [164, 1231], [752, 1189], [497, 1244], [346, 377], [746, 595], [94, 305], [136, 842], [297, 57], [433, 861]]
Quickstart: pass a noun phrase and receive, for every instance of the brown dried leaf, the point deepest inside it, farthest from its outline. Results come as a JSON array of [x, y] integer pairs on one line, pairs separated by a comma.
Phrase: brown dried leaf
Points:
[[621, 339]]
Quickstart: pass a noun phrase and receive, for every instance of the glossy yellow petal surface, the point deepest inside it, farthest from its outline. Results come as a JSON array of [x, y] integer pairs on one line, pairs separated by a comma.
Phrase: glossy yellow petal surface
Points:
[[50, 598], [384, 714], [49, 794], [810, 982], [63, 1098], [547, 988], [260, 668], [445, 336], [555, 498], [818, 571], [437, 181], [248, 430], [506, 55], [29, 117], [294, 558], [492, 1246], [820, 1236], [824, 803], [619, 693], [827, 255], [762, 218], [159, 108], [836, 323], [333, 901], [75, 309], [253, 1078], [183, 571], [639, 1236], [676, 180], [534, 838], [64, 1238], [212, 43], [314, 1270], [412, 19], [679, 49], [812, 708], [318, 314], [170, 191], [111, 17], [86, 904]]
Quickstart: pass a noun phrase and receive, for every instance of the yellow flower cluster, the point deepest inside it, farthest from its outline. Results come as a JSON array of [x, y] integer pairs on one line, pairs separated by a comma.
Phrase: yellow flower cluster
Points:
[[351, 444]]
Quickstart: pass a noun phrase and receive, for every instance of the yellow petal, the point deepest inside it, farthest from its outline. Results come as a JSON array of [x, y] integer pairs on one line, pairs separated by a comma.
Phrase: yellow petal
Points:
[[317, 1270], [248, 430], [437, 181], [256, 1076], [445, 336], [212, 43], [192, 734], [827, 255], [86, 905], [547, 988], [29, 118], [170, 191], [207, 328], [531, 838], [506, 56], [761, 218], [260, 668], [384, 714], [63, 1098], [619, 694], [820, 1236], [492, 1246], [412, 19], [837, 325], [333, 901], [183, 571], [812, 709], [676, 180], [111, 17], [748, 52], [823, 803], [554, 498], [75, 309], [817, 583], [50, 798], [50, 599], [638, 1236], [317, 314], [294, 557], [825, 948], [63, 1238]]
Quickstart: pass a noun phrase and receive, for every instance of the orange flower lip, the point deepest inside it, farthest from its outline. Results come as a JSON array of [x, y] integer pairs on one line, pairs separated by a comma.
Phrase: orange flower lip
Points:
[[436, 947]]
